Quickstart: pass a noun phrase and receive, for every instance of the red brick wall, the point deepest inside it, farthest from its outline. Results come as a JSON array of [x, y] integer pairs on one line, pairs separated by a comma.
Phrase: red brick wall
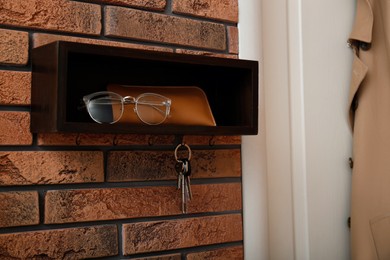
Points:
[[72, 196]]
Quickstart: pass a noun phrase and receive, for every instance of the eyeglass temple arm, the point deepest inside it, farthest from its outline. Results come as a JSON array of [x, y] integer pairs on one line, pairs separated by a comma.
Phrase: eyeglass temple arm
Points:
[[81, 105], [130, 100], [154, 106]]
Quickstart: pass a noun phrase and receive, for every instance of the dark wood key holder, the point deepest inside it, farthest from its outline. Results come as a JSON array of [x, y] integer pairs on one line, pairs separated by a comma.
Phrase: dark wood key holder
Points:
[[63, 72]]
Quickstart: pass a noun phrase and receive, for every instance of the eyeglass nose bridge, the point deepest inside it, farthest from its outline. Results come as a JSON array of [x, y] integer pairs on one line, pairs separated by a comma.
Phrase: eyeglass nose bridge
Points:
[[128, 100]]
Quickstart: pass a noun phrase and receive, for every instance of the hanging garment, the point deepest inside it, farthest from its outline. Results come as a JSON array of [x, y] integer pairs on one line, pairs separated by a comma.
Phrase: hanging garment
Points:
[[369, 114]]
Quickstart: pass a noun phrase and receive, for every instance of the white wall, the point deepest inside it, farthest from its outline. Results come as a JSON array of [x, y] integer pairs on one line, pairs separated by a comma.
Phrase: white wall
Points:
[[300, 157]]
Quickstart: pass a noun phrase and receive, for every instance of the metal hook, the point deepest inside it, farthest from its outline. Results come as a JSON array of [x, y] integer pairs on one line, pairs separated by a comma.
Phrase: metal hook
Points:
[[212, 140], [151, 140], [115, 140], [78, 141]]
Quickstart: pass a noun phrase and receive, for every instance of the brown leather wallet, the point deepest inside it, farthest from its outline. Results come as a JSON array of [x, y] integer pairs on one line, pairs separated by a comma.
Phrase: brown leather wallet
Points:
[[189, 104]]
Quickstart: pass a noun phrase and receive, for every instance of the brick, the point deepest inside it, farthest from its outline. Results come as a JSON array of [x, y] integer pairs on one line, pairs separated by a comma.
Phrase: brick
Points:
[[57, 15], [224, 10], [19, 208], [152, 165], [13, 46], [235, 253], [211, 140], [50, 167], [72, 243], [164, 235], [40, 39], [163, 257], [146, 4], [233, 39], [128, 139], [73, 139], [141, 25], [15, 128], [207, 53], [15, 87], [68, 206]]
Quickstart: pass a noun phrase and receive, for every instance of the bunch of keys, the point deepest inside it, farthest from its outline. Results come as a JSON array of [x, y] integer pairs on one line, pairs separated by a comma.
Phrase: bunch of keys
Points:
[[183, 169]]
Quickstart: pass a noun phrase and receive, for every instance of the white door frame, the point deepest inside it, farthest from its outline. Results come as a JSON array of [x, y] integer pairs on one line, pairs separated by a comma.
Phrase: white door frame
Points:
[[287, 169]]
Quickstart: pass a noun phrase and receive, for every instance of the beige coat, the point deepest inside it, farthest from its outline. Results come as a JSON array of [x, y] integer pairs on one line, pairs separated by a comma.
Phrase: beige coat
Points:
[[370, 120]]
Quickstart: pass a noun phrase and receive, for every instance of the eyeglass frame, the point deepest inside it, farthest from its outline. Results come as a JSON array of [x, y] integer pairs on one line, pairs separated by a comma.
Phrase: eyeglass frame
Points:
[[127, 100]]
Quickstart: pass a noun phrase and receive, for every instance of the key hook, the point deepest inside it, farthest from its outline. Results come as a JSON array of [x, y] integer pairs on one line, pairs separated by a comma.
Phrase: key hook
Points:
[[188, 148]]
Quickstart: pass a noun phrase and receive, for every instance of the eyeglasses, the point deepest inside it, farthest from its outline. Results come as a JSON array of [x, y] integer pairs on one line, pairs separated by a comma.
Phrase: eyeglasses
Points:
[[107, 107]]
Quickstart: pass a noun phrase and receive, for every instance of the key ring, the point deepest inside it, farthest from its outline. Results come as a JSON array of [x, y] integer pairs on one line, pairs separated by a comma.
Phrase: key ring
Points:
[[188, 148]]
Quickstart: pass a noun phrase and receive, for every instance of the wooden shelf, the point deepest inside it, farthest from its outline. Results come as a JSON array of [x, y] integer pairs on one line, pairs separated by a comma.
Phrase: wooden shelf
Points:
[[63, 72]]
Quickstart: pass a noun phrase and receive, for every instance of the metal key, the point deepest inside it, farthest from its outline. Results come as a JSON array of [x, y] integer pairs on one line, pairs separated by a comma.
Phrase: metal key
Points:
[[184, 191], [183, 168], [187, 180], [183, 195], [179, 167]]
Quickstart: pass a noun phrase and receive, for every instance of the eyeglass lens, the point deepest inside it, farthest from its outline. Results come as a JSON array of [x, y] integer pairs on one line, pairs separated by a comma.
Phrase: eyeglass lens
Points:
[[106, 108], [152, 109]]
